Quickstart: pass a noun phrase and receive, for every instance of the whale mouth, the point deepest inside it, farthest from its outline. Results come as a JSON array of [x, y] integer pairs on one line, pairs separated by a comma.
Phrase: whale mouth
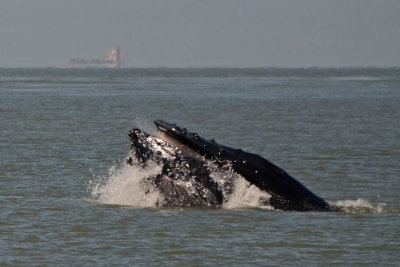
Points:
[[187, 158], [162, 134]]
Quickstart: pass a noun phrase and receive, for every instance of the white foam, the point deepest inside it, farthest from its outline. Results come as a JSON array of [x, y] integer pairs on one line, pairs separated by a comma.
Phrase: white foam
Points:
[[246, 195], [238, 192], [358, 206], [124, 185]]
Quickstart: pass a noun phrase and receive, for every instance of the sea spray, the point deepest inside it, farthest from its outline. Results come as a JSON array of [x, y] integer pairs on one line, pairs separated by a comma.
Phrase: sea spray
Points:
[[238, 192], [359, 205], [246, 195], [128, 185], [125, 185]]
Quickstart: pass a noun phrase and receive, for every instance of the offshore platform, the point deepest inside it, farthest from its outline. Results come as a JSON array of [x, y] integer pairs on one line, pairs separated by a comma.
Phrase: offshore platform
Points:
[[112, 60]]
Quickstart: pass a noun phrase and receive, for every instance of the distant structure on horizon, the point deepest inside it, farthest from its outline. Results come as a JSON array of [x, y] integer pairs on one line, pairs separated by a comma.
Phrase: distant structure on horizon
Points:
[[112, 60]]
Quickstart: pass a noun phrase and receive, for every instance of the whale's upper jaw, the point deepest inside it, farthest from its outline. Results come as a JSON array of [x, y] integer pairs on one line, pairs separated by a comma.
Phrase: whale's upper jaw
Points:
[[207, 148], [173, 131]]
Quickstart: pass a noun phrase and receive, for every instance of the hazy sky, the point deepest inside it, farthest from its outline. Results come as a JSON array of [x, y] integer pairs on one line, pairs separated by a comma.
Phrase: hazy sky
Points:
[[201, 33]]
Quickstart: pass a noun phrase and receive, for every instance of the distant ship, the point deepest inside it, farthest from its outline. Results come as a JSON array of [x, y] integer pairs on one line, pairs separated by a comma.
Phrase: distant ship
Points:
[[112, 60]]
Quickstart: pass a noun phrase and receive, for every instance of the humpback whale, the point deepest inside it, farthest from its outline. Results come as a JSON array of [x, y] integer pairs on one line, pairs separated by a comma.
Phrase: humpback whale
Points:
[[189, 165]]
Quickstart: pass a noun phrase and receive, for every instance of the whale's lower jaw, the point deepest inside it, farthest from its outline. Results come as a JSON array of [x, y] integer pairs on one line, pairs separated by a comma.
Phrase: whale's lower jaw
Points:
[[190, 165]]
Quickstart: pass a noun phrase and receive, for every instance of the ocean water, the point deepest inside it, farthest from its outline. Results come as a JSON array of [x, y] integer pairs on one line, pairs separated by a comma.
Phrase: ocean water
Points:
[[68, 198]]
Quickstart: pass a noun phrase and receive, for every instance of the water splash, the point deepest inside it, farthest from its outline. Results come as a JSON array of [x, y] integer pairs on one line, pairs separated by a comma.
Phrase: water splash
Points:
[[124, 185], [359, 205], [246, 195], [129, 186]]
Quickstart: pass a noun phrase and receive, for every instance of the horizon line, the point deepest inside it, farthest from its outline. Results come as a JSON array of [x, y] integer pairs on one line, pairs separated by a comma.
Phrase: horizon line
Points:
[[206, 67]]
